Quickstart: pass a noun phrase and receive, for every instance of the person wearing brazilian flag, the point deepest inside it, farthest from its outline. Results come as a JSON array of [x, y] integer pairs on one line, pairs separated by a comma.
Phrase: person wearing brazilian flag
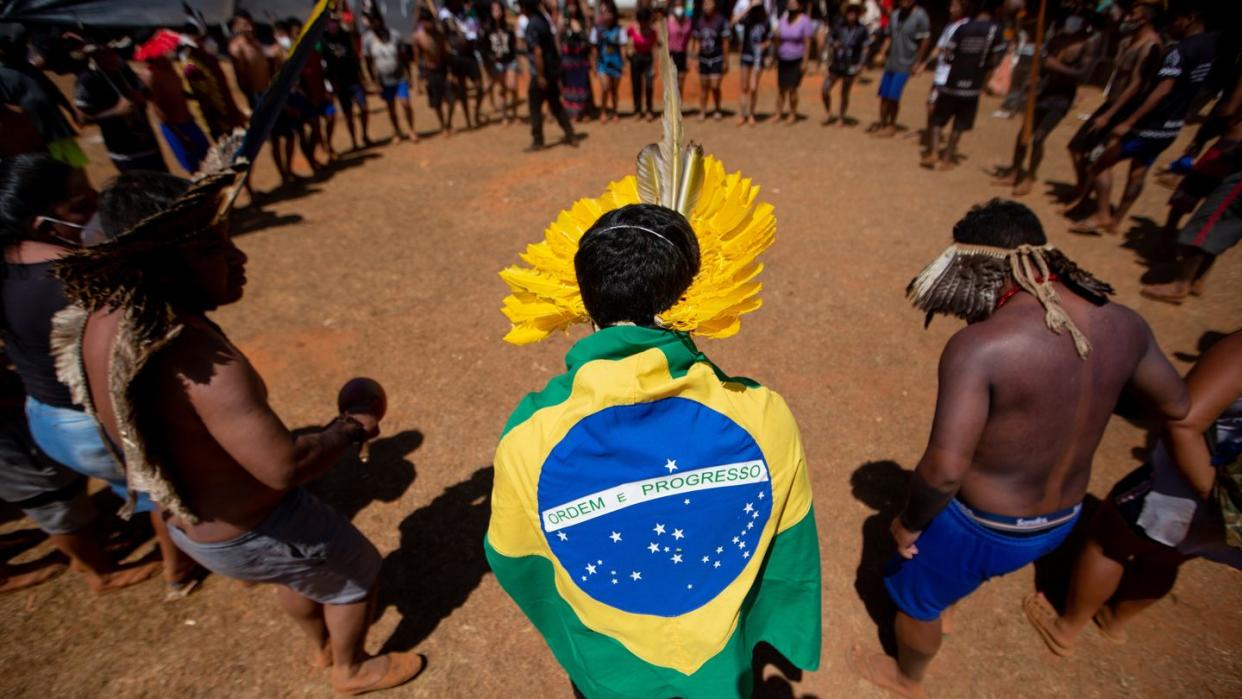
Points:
[[652, 515]]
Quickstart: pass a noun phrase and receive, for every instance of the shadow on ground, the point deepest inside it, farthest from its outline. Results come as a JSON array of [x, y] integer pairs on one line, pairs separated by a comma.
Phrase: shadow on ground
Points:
[[439, 562], [779, 685], [352, 485], [880, 485]]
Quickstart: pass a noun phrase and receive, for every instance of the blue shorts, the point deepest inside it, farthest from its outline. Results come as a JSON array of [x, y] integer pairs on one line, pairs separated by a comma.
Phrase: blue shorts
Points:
[[71, 437], [188, 143], [892, 84], [352, 93], [957, 554], [1143, 150], [399, 91]]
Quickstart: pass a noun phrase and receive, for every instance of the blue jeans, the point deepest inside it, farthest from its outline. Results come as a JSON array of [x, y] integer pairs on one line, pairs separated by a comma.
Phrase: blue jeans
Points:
[[72, 438]]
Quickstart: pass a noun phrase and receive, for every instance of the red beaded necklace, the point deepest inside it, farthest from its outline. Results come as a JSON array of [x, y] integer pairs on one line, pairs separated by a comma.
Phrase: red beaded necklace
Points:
[[1014, 291]]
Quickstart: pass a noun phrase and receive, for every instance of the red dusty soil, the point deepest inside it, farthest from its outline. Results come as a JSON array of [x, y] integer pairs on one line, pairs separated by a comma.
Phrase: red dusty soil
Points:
[[388, 269]]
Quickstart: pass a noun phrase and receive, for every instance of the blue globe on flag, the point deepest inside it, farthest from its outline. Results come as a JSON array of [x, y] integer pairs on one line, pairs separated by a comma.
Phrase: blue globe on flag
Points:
[[655, 508]]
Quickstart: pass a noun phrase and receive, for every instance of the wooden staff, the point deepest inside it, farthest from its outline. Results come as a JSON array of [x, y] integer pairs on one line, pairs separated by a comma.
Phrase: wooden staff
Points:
[[1028, 123]]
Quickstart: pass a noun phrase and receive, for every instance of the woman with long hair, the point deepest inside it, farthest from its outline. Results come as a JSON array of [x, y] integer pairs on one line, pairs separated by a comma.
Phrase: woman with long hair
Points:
[[576, 62], [642, 40], [711, 43], [793, 44], [756, 37], [501, 46], [609, 39]]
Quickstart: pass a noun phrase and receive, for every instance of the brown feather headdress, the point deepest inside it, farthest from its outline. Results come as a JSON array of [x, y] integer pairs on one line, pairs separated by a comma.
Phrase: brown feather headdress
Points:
[[966, 281]]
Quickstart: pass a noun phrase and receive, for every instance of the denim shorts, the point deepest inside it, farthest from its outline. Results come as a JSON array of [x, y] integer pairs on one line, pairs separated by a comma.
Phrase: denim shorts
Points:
[[73, 438]]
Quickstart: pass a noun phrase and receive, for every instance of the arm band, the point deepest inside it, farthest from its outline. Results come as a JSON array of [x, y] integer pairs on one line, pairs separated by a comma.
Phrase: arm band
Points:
[[922, 504]]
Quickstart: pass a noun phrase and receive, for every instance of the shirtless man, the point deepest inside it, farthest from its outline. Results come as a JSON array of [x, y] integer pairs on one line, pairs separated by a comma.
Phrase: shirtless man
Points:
[[431, 56], [1137, 61], [1019, 414], [198, 428], [251, 66], [184, 137]]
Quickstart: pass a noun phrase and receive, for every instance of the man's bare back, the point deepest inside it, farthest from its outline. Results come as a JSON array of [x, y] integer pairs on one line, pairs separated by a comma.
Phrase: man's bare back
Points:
[[167, 92], [227, 498], [252, 68], [1040, 409]]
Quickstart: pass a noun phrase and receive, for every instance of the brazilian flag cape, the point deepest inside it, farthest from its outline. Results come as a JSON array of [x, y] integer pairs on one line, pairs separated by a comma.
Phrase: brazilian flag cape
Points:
[[652, 517]]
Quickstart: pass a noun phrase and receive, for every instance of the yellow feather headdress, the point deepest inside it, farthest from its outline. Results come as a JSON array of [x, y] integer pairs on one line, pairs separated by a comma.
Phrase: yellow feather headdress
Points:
[[733, 228]]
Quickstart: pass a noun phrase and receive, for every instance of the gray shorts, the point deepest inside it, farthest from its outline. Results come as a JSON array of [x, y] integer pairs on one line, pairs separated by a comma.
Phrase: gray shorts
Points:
[[50, 494], [1217, 225], [304, 544]]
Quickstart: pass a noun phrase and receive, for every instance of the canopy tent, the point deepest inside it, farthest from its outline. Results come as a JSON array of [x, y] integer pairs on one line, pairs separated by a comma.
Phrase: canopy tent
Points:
[[144, 13]]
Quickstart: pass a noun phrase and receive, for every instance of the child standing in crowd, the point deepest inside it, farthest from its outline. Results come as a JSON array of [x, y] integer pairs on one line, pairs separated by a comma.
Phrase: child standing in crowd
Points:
[[793, 44], [431, 55], [756, 37], [503, 68], [387, 62], [576, 62], [711, 43], [642, 40], [679, 29], [939, 56], [909, 36], [608, 38], [847, 42]]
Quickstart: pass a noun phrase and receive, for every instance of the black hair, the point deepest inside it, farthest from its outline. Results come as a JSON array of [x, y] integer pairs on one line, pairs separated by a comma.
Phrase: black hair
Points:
[[30, 184], [1001, 223], [530, 7], [643, 15], [136, 195], [630, 275], [282, 25]]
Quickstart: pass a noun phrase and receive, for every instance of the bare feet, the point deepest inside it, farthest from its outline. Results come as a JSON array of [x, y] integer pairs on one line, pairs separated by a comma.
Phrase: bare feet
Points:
[[321, 658], [882, 671], [945, 165], [1173, 292], [123, 577], [703, 115], [886, 132], [751, 121], [929, 161], [19, 577], [1023, 187], [1198, 285], [1108, 626], [719, 115], [380, 672], [1045, 620], [741, 121], [1008, 179]]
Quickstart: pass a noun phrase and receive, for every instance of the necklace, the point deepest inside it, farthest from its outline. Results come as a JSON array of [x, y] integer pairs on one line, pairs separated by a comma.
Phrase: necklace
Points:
[[1014, 291]]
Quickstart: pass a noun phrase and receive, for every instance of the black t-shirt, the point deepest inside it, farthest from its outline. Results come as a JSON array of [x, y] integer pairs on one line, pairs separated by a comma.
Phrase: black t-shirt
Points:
[[340, 59], [1188, 65], [28, 88], [539, 34], [973, 50], [127, 135], [712, 32], [848, 42], [31, 296], [501, 45], [752, 36]]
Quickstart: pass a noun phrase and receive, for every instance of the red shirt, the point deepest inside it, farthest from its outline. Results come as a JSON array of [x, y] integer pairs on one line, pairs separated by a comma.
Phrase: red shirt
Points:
[[643, 42]]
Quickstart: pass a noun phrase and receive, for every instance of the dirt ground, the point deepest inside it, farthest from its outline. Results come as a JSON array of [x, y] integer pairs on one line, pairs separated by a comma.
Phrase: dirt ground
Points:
[[387, 268]]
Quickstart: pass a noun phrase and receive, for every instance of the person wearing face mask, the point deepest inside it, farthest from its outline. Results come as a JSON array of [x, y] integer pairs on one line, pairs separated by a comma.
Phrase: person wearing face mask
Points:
[[680, 27], [48, 209]]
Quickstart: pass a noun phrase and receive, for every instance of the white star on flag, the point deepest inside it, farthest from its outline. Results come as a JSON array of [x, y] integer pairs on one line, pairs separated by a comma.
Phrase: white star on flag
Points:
[[678, 535], [687, 501], [716, 564], [599, 563], [653, 547], [719, 549], [741, 544], [750, 525], [562, 536], [760, 494], [689, 587], [755, 516], [659, 529], [636, 576], [706, 558], [584, 578], [665, 549], [614, 581], [671, 465], [590, 569], [750, 507], [615, 536], [677, 558], [746, 554], [735, 539]]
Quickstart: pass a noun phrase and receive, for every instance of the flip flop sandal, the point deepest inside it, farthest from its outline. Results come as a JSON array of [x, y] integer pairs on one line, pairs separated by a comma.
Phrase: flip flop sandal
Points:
[[175, 591], [1040, 614]]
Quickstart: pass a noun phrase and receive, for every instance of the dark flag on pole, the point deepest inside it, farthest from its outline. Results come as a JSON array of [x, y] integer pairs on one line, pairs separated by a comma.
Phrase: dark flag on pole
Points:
[[272, 101]]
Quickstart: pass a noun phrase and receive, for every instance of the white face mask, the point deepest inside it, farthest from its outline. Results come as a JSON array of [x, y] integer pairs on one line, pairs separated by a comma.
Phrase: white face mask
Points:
[[285, 42], [92, 230], [679, 11]]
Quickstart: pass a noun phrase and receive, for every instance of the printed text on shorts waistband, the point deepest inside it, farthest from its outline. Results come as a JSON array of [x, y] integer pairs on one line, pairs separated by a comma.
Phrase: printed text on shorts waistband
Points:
[[1036, 523]]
